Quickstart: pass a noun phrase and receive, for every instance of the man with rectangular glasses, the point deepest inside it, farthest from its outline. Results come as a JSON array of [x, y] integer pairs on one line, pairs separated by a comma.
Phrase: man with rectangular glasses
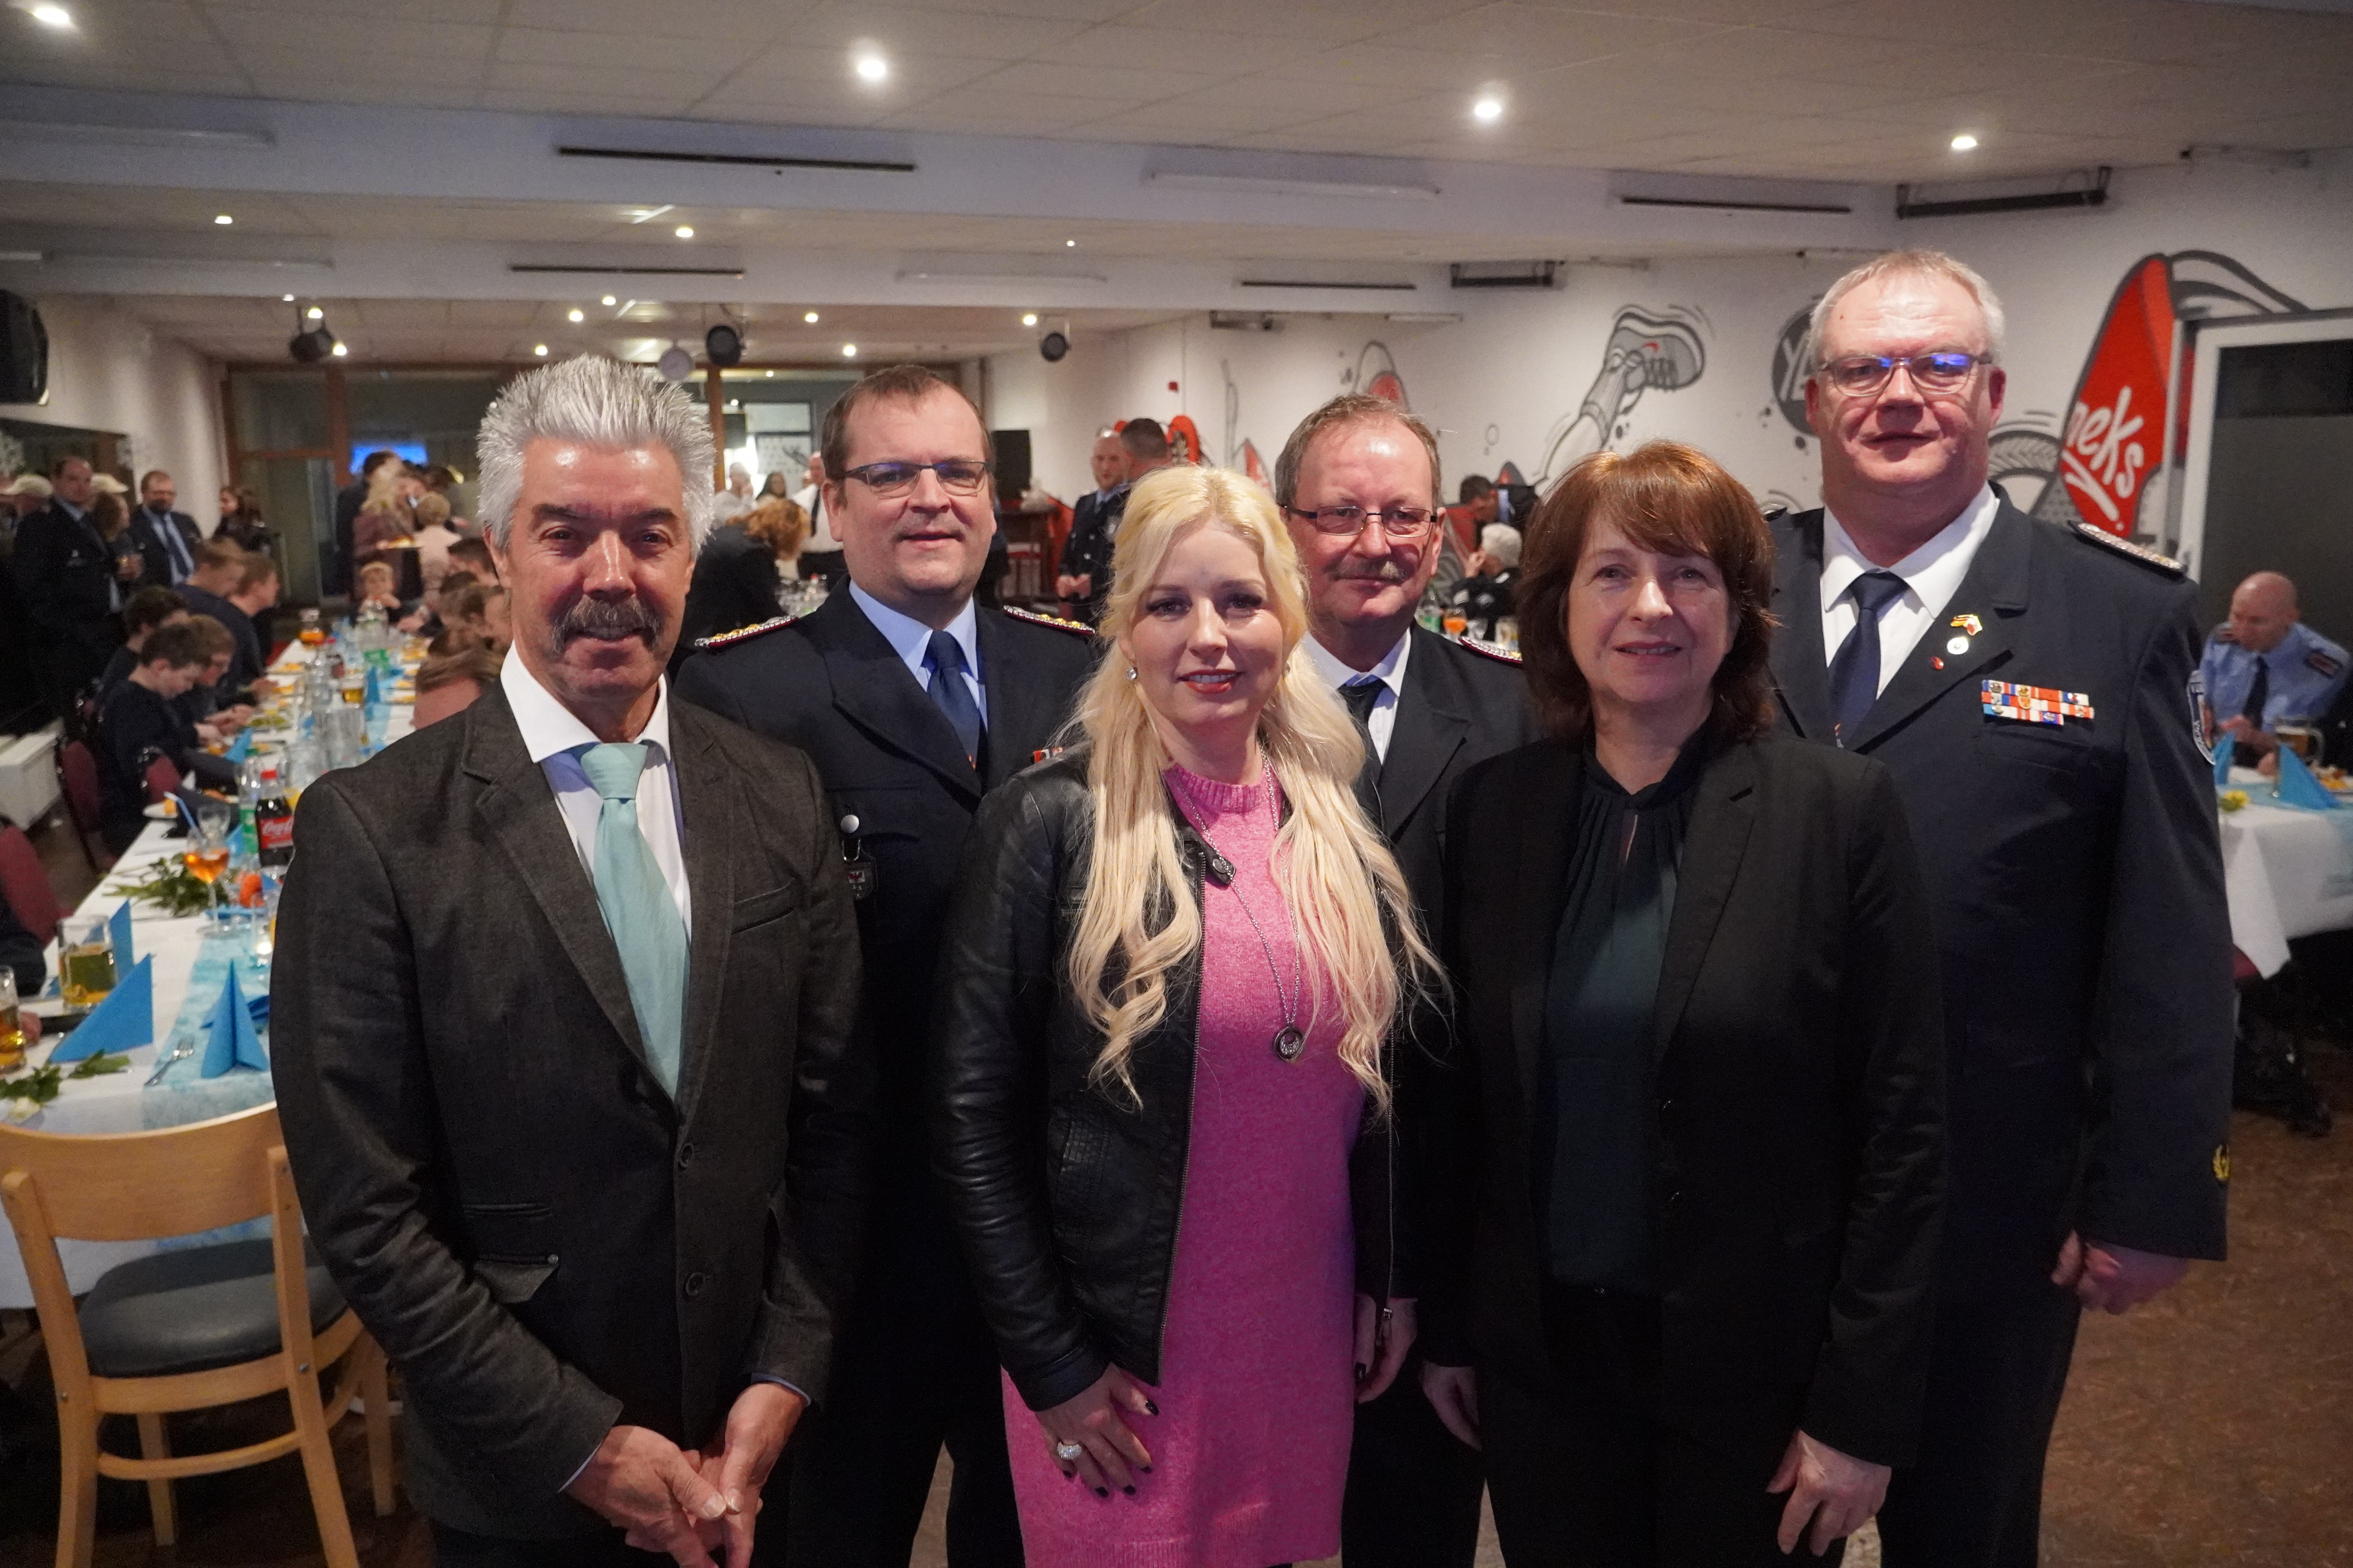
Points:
[[914, 701], [2030, 687], [1357, 483]]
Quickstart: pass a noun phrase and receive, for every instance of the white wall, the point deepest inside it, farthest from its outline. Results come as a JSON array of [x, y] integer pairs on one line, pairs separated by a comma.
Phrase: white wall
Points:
[[107, 371], [1508, 381]]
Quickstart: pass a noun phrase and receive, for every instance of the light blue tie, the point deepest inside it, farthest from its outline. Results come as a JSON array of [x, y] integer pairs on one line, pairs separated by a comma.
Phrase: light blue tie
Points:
[[638, 907]]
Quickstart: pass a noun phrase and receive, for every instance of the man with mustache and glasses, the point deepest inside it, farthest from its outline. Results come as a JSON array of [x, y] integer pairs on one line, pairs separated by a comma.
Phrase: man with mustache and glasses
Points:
[[914, 701], [1357, 483], [564, 1003]]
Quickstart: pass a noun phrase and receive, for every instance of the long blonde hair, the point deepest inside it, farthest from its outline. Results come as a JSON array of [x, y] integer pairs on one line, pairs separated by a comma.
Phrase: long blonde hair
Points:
[[1342, 884]]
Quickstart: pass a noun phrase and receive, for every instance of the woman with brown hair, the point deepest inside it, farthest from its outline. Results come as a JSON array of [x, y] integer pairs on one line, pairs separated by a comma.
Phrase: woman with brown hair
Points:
[[739, 574], [1696, 1164], [1164, 1110]]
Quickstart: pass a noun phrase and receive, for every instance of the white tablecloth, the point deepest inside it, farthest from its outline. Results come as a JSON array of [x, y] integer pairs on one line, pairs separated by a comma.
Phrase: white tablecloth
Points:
[[122, 1102], [2289, 873]]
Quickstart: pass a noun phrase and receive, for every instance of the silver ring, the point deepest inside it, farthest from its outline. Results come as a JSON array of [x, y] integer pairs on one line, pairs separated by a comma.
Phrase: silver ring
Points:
[[1069, 1452]]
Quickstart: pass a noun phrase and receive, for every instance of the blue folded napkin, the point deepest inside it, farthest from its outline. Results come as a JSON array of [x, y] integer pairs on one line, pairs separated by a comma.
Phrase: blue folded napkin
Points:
[[126, 1018], [2222, 749], [373, 693], [242, 747], [233, 1044], [2298, 787], [118, 933]]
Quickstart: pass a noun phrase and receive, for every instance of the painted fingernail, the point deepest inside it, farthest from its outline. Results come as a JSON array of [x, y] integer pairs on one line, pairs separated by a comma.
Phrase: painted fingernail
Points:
[[1102, 1492], [1150, 1408], [1129, 1490]]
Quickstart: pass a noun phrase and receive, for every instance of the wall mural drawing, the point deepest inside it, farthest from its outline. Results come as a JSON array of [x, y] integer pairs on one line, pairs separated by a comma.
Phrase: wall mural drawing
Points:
[[1377, 375], [1644, 350]]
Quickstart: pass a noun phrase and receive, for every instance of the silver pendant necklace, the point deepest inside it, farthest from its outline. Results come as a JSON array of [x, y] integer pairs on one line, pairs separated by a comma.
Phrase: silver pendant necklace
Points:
[[1289, 1039]]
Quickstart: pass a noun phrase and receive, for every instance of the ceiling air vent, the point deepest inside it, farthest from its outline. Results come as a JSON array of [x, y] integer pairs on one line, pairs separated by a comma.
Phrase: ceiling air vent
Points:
[[776, 161], [1504, 274]]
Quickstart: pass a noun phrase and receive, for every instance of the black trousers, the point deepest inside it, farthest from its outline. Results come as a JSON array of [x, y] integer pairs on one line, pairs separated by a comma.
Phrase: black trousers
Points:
[[1413, 1487], [459, 1548], [1996, 1373], [915, 1368], [1584, 1475]]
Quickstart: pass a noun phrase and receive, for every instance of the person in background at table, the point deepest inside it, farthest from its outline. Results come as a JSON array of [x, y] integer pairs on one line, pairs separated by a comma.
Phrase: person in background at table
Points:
[[241, 522], [141, 614], [1359, 484], [168, 540], [220, 568], [777, 486], [821, 553], [738, 573], [387, 516], [209, 705], [436, 622], [2264, 664], [73, 586], [1689, 1243], [449, 683], [607, 1256], [915, 702], [22, 952], [375, 590], [476, 616], [256, 598], [140, 720], [473, 555], [736, 499], [1165, 1112], [348, 502], [1083, 576], [434, 538], [2028, 685]]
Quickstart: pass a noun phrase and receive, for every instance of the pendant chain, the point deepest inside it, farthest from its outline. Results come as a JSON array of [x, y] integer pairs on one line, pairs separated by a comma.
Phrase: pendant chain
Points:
[[1288, 1039]]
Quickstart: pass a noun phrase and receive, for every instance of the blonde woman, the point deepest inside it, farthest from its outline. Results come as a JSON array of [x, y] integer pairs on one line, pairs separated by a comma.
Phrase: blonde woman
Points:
[[383, 516], [1163, 1104]]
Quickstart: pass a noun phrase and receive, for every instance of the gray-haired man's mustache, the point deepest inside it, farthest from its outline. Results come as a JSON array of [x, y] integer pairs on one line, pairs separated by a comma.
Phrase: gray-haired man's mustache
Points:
[[608, 621], [1357, 569]]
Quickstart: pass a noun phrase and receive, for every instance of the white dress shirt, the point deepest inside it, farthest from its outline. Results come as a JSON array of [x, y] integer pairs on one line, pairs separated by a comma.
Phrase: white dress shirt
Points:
[[1381, 722], [554, 738], [1932, 575], [911, 640], [810, 499]]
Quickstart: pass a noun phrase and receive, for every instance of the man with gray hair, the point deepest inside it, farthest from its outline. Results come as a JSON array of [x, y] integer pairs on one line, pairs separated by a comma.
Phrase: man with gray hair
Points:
[[2030, 687], [563, 1004]]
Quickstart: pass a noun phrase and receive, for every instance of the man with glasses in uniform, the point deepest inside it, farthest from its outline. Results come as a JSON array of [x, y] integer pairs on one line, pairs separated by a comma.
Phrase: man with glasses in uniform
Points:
[[1357, 483], [914, 701], [2029, 686]]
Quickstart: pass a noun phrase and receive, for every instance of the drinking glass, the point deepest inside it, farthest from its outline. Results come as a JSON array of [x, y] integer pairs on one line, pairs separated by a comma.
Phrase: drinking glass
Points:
[[12, 1023], [207, 855], [85, 966]]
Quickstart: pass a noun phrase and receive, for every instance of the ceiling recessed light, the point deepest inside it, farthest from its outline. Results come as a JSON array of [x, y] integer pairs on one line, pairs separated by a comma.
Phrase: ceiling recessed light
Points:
[[769, 373], [810, 317], [685, 231], [342, 350], [52, 15], [608, 301], [849, 351], [735, 402], [539, 349], [288, 298], [576, 315], [314, 313], [1488, 110], [872, 67], [1070, 244], [1964, 142], [223, 219], [1029, 320]]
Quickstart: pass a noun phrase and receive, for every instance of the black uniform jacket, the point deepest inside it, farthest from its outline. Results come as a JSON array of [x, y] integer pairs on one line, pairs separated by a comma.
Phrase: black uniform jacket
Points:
[[544, 1241], [155, 555], [1800, 1098], [62, 569], [830, 685], [736, 584], [1066, 1194], [2077, 883]]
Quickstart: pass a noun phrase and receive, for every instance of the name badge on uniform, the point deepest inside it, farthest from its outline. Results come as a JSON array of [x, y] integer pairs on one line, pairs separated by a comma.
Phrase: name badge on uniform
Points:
[[2035, 704]]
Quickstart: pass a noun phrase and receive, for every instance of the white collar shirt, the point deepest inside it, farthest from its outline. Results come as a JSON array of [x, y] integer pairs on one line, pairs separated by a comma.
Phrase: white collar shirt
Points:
[[1381, 722], [1932, 575], [912, 640], [810, 499], [554, 737]]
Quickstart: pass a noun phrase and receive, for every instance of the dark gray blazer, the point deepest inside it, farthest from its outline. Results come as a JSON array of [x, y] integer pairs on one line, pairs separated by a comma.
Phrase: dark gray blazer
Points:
[[543, 1241]]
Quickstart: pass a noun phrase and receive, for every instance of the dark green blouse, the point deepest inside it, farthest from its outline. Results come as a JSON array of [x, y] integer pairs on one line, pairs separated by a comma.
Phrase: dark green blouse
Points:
[[1596, 1145]]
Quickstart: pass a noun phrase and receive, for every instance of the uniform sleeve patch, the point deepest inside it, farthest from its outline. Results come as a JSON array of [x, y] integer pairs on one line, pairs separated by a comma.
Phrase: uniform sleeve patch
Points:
[[2223, 634], [1077, 628], [2140, 552], [1488, 651], [744, 634], [2322, 662]]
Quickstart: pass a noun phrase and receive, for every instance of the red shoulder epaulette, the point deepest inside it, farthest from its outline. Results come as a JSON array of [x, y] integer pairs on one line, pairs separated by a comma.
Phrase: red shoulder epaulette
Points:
[[1489, 650], [744, 634], [1080, 628]]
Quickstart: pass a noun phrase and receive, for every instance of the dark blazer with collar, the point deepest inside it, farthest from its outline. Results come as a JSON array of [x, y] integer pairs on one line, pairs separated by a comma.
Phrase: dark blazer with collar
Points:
[[1800, 1085], [2077, 880], [62, 569], [154, 555], [736, 580], [543, 1239], [831, 685]]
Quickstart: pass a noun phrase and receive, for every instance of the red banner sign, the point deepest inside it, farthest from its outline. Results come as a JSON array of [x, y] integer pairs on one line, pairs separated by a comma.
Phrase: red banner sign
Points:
[[2116, 425]]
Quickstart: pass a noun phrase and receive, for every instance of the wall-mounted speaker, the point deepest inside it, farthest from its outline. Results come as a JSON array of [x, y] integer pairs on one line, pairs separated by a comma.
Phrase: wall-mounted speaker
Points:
[[24, 351]]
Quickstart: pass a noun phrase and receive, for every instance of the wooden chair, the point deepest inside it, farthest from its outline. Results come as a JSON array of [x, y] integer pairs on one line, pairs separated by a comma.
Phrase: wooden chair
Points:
[[185, 1329], [163, 777], [78, 786], [26, 885]]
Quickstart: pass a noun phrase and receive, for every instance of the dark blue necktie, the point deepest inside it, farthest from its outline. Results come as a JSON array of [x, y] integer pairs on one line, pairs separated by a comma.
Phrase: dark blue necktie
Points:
[[946, 657], [176, 547], [1854, 671]]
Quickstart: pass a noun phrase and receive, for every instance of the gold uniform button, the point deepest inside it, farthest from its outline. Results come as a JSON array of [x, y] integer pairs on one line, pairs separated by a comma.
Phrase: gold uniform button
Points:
[[2222, 1162]]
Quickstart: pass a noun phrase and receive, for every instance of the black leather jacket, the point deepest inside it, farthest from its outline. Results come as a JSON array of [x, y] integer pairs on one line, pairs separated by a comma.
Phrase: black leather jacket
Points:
[[1067, 1196]]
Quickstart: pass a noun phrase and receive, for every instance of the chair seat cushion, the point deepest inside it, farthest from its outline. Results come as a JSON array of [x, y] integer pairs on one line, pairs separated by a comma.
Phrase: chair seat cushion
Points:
[[194, 1309]]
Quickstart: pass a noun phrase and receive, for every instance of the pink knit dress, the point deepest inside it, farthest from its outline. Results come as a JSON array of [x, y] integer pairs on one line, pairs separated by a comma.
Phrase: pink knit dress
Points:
[[1257, 1396]]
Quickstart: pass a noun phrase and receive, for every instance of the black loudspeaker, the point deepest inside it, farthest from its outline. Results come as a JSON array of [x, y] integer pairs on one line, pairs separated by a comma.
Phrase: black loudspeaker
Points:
[[1012, 464], [1054, 347], [724, 345], [24, 351]]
